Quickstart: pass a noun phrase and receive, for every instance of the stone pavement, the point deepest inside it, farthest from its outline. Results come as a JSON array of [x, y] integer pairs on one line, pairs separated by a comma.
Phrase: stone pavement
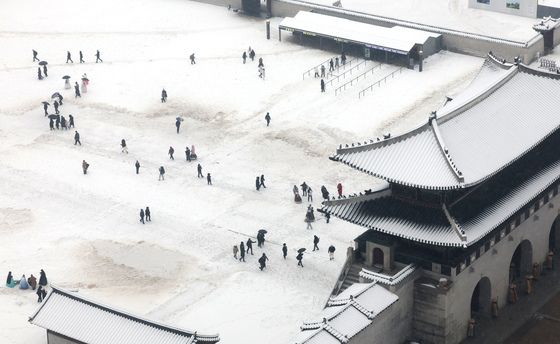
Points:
[[513, 317]]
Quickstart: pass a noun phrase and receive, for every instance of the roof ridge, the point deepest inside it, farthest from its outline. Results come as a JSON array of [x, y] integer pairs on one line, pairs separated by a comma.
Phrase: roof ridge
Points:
[[443, 148], [383, 191], [455, 225]]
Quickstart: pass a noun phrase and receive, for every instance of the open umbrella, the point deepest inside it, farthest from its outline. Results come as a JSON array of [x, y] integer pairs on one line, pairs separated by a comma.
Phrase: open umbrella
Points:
[[85, 79], [46, 103], [66, 77], [301, 250], [52, 116], [43, 63], [262, 231], [55, 95]]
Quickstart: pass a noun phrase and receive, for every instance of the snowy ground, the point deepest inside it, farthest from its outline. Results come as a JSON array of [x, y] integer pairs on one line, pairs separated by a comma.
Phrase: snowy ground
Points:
[[450, 14], [84, 230]]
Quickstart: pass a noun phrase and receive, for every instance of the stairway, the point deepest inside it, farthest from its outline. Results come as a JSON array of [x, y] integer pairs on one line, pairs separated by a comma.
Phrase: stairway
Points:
[[352, 277]]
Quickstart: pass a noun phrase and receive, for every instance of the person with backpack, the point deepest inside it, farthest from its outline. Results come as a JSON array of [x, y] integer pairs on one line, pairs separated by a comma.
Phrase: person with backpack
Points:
[[170, 152], [315, 242]]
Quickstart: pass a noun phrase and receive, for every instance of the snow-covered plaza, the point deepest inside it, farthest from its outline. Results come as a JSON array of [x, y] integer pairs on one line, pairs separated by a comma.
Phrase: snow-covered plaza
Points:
[[84, 230]]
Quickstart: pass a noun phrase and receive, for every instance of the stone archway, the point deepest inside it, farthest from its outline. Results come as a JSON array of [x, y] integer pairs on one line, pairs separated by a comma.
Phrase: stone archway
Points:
[[378, 257], [481, 298], [521, 262], [554, 236]]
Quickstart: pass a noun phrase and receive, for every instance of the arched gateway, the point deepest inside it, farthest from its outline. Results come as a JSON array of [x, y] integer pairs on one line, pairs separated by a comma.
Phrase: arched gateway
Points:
[[481, 297]]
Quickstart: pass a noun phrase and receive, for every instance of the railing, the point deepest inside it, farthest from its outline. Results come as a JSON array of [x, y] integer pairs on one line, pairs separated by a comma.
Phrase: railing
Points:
[[356, 79], [343, 75], [378, 82], [387, 279], [308, 72]]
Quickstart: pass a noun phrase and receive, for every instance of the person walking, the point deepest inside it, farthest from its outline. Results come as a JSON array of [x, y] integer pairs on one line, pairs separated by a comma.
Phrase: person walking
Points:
[[235, 250], [70, 121], [316, 75], [309, 194], [137, 165], [336, 65], [262, 261], [252, 55], [45, 70], [45, 107], [267, 118], [262, 181], [244, 56], [82, 57], [187, 153], [85, 166], [261, 63], [77, 90], [148, 214], [250, 245], [339, 189], [315, 242], [123, 146], [63, 123], [77, 138], [322, 85], [170, 152], [55, 104], [60, 97], [304, 189], [9, 280], [322, 71], [308, 219], [161, 173], [331, 65], [164, 100], [327, 217], [69, 57], [331, 252], [57, 122], [178, 124], [209, 178], [43, 278], [97, 57], [242, 252], [39, 294], [199, 169], [51, 124], [142, 216], [35, 55], [192, 59], [299, 258], [258, 183], [39, 75], [284, 250]]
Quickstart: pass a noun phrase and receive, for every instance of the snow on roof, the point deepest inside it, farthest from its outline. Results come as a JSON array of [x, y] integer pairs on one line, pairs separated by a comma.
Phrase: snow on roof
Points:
[[504, 115], [82, 319], [347, 314], [397, 39]]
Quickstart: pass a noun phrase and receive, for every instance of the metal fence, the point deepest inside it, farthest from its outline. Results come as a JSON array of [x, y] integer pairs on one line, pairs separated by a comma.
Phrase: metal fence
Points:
[[356, 79], [378, 82], [348, 72]]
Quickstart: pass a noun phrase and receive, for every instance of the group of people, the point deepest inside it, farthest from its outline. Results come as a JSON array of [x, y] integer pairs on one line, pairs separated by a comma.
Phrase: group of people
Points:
[[145, 214], [333, 64], [306, 191], [31, 282], [69, 57], [259, 182], [251, 54], [57, 120]]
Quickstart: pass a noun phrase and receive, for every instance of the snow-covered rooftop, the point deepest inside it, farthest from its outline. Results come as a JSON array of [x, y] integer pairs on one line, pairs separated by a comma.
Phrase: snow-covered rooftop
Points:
[[80, 318], [396, 39]]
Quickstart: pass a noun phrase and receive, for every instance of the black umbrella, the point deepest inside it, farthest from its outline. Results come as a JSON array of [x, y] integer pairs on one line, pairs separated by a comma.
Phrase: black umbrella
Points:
[[43, 63], [53, 116], [301, 250], [46, 103], [66, 77], [55, 95], [262, 231]]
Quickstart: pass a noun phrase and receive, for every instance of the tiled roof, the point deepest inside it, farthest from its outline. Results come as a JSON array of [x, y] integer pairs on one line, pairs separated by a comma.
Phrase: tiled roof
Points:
[[82, 319], [427, 225], [347, 314], [501, 117]]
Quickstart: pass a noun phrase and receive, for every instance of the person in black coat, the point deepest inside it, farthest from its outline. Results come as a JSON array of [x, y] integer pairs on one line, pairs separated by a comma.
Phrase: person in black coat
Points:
[[77, 90], [57, 122], [63, 123], [39, 293], [262, 181], [45, 107], [267, 118], [69, 57], [70, 121], [299, 258], [199, 169], [315, 242], [51, 124], [97, 57], [60, 97], [258, 183], [45, 70], [164, 99], [192, 59], [244, 56], [250, 245], [209, 178], [188, 153], [142, 216], [148, 214], [328, 217], [161, 173], [322, 85], [82, 57], [43, 278], [39, 75], [242, 251], [262, 261], [137, 165], [252, 55], [77, 138], [9, 278], [56, 107], [170, 152], [178, 124], [284, 250], [260, 239], [331, 252]]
